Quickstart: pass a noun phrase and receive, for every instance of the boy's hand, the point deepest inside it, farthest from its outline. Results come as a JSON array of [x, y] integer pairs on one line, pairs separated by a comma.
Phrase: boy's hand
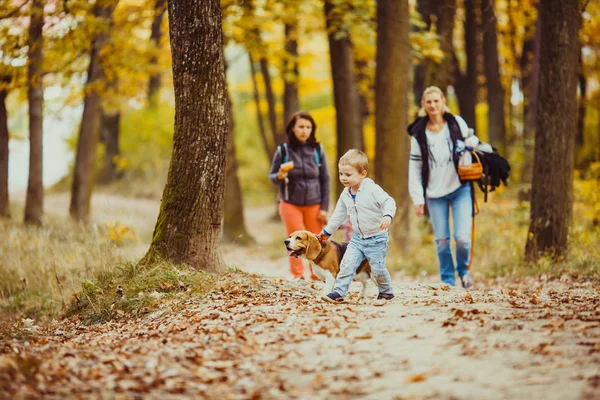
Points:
[[322, 237], [385, 222]]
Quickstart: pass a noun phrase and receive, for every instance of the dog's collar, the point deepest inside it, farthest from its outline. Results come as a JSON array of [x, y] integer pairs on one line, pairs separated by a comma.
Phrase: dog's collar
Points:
[[318, 258]]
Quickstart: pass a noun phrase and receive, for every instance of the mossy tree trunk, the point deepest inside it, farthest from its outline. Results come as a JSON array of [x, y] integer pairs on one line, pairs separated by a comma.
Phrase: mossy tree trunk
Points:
[[85, 158], [188, 228], [34, 202], [552, 185], [391, 108]]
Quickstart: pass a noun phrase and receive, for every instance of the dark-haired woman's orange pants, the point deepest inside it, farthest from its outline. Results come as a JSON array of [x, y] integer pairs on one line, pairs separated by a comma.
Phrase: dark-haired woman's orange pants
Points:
[[298, 218]]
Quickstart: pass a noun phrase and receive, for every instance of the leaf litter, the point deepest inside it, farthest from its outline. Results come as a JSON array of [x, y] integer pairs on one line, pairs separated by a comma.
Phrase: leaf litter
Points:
[[255, 337]]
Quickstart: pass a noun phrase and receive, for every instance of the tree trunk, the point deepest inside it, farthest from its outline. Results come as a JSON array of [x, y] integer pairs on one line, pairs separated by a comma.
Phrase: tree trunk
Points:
[[189, 224], [420, 70], [441, 74], [85, 158], [552, 187], [34, 203], [109, 133], [4, 202], [155, 34], [362, 78], [345, 92], [495, 90], [234, 227], [267, 145], [532, 105], [391, 108], [291, 102], [466, 86], [264, 69], [255, 46], [581, 110]]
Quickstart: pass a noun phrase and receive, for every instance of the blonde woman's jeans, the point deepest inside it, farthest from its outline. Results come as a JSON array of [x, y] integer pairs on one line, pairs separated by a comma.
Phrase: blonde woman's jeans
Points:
[[461, 204]]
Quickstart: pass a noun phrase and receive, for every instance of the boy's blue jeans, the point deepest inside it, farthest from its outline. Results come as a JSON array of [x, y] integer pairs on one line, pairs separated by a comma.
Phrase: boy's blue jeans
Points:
[[373, 249], [461, 203]]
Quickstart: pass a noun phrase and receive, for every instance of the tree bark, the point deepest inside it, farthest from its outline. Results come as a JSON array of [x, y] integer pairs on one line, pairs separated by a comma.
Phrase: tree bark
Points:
[[34, 203], [441, 74], [552, 187], [4, 137], [255, 46], [495, 90], [85, 158], [270, 95], [189, 224], [291, 102], [424, 7], [581, 109], [269, 146], [466, 86], [391, 108], [345, 92], [531, 105], [234, 226], [109, 133], [155, 35], [362, 76]]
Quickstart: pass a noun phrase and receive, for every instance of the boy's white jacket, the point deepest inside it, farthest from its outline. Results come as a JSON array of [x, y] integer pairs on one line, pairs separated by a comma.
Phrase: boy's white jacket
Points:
[[365, 212]]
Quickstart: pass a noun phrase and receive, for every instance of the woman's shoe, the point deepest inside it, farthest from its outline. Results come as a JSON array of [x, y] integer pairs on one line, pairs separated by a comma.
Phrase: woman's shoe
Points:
[[467, 281]]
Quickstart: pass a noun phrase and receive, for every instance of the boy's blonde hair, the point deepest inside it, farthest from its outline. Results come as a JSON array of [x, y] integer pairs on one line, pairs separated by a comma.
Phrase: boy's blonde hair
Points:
[[355, 158]]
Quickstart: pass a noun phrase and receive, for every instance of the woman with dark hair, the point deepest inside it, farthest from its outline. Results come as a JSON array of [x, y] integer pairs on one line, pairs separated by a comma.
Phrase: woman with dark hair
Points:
[[299, 167]]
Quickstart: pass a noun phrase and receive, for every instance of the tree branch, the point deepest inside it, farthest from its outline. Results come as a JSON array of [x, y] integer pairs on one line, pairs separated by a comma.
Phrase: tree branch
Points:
[[584, 6], [10, 14]]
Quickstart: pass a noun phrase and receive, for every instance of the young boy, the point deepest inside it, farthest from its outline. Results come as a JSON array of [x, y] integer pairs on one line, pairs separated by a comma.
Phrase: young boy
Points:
[[371, 211]]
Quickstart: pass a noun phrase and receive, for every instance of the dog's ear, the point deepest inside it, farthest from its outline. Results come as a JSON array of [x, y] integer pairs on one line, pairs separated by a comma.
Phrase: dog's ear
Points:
[[313, 247]]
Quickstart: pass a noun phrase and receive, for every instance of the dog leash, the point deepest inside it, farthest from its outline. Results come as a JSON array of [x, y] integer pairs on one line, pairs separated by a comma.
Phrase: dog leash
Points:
[[474, 212]]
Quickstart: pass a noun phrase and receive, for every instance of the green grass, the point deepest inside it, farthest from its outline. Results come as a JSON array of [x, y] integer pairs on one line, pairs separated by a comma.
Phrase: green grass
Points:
[[42, 267], [127, 290], [64, 268]]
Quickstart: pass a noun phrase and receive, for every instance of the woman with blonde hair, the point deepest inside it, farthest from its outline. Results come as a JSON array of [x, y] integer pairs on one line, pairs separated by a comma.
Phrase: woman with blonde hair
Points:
[[438, 138]]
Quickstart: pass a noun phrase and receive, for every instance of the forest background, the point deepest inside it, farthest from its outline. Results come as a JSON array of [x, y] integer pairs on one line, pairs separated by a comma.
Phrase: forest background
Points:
[[98, 77]]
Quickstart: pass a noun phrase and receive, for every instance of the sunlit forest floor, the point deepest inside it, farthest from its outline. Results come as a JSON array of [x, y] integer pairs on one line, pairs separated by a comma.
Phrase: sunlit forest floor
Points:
[[80, 320]]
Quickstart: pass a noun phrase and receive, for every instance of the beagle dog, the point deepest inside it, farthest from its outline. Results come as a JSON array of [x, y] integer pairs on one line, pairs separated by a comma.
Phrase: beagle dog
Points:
[[326, 258]]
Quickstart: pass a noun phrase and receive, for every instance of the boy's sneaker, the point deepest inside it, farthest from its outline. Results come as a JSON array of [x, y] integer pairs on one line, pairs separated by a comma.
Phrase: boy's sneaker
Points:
[[332, 297], [467, 281], [383, 299]]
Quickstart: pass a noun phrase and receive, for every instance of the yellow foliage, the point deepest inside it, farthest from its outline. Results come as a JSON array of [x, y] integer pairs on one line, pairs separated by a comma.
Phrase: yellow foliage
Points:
[[118, 233]]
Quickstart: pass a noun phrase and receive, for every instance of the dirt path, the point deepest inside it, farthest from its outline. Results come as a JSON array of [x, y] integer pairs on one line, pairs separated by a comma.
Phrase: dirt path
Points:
[[263, 336]]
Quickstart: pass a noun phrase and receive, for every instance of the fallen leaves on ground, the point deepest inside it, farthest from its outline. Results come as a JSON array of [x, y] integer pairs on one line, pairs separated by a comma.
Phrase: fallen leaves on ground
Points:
[[254, 337]]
